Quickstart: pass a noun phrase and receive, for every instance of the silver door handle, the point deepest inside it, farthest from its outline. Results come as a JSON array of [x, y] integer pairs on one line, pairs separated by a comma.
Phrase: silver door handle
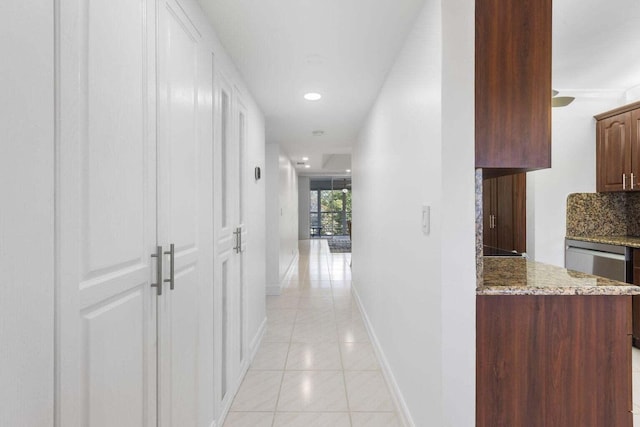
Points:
[[172, 257], [237, 234], [632, 180], [158, 256], [624, 181]]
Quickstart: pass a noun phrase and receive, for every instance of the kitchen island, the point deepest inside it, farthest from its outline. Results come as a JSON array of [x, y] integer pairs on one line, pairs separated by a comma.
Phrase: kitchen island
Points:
[[553, 347]]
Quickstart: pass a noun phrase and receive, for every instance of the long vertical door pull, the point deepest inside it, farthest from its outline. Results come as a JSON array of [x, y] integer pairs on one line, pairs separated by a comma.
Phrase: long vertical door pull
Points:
[[172, 257], [158, 256], [238, 235]]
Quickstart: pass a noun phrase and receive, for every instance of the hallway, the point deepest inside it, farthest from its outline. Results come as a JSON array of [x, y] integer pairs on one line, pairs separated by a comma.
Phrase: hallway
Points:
[[316, 365]]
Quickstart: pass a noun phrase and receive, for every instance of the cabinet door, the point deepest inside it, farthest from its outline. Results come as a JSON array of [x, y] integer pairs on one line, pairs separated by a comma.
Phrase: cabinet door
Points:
[[513, 84], [504, 212], [614, 153], [489, 210], [504, 222], [184, 215], [106, 215], [635, 148]]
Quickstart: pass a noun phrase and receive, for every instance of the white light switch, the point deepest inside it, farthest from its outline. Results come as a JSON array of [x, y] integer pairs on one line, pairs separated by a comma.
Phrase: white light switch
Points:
[[426, 219]]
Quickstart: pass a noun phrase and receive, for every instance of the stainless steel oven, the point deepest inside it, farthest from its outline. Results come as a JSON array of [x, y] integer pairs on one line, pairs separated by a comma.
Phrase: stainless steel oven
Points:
[[610, 261]]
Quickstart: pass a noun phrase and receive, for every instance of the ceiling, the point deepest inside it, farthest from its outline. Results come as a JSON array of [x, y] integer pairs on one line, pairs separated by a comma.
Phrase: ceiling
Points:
[[344, 50], [286, 48], [596, 45]]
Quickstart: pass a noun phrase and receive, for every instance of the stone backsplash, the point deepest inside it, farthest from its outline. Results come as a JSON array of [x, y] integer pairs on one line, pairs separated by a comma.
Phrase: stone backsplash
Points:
[[603, 214]]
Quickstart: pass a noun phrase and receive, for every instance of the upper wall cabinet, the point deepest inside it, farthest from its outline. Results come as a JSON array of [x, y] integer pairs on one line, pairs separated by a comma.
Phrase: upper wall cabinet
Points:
[[513, 84], [618, 149]]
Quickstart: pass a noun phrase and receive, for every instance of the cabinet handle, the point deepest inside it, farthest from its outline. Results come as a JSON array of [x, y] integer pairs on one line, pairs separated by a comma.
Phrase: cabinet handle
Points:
[[632, 180], [494, 221], [158, 256], [238, 237], [172, 257], [624, 181]]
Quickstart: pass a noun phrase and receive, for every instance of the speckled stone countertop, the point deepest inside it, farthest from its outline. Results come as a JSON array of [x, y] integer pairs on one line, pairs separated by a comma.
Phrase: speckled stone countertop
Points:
[[630, 241], [519, 276]]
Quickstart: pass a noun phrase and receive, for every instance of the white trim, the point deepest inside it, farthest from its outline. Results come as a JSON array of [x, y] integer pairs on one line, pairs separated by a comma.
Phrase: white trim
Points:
[[255, 345], [396, 394], [275, 289], [289, 270]]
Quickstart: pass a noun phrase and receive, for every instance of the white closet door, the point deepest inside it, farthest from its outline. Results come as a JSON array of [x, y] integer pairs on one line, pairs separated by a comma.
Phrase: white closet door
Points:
[[184, 215], [244, 174], [106, 215], [229, 295]]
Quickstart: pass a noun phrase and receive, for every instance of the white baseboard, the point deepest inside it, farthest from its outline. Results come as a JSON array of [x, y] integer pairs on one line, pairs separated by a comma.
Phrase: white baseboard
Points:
[[396, 394], [274, 290], [292, 264], [253, 349]]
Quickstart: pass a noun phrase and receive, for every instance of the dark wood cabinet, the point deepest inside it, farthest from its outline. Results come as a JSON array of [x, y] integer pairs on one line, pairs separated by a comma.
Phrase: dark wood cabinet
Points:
[[553, 360], [504, 212], [636, 298], [513, 85], [618, 149]]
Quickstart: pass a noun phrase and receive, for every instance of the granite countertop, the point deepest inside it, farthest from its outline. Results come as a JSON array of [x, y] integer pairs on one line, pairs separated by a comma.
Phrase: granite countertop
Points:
[[630, 241], [519, 276]]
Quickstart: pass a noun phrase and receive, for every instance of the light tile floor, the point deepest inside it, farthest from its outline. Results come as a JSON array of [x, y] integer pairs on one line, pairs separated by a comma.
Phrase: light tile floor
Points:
[[316, 366]]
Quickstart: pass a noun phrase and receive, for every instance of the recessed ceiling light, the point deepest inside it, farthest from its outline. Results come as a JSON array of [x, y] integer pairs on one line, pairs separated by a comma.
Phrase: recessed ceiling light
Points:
[[317, 133], [307, 166], [312, 96], [348, 171], [304, 159]]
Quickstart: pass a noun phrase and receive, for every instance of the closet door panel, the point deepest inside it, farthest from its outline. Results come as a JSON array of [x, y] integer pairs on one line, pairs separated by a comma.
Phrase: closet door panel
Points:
[[105, 219], [183, 219]]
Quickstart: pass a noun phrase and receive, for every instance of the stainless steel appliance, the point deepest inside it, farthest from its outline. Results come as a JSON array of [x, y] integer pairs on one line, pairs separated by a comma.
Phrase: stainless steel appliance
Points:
[[610, 261]]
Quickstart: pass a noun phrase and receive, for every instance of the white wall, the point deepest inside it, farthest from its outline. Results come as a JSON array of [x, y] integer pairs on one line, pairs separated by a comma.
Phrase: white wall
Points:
[[26, 213], [403, 281], [282, 217], [573, 170], [458, 213], [288, 214], [272, 177], [304, 201]]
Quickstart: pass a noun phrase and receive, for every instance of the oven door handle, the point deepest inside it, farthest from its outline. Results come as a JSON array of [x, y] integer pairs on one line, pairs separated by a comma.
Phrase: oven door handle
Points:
[[598, 254]]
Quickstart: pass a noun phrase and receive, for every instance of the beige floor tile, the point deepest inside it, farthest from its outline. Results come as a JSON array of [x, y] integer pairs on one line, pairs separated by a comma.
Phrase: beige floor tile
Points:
[[280, 333], [314, 332], [315, 303], [314, 357], [320, 316], [249, 419], [271, 356], [368, 391], [359, 357], [312, 419], [284, 315], [352, 332], [258, 392], [312, 391], [282, 301], [375, 419]]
